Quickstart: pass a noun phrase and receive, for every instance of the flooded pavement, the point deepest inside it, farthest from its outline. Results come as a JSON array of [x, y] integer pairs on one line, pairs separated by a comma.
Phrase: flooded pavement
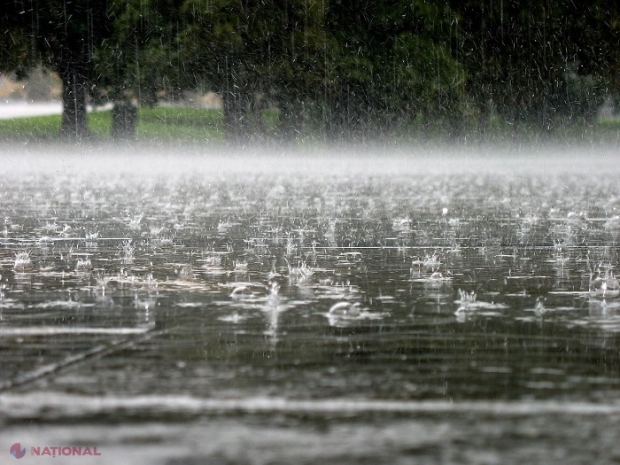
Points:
[[293, 311]]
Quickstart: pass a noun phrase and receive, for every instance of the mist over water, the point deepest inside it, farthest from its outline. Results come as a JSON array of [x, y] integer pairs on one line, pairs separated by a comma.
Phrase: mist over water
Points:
[[263, 305], [378, 158]]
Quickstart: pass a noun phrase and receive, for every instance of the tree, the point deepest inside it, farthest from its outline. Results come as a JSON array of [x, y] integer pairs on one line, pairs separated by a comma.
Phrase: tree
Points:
[[300, 66], [596, 67], [225, 46], [346, 68], [258, 53], [539, 63], [394, 65], [17, 45], [138, 62], [62, 36], [66, 33]]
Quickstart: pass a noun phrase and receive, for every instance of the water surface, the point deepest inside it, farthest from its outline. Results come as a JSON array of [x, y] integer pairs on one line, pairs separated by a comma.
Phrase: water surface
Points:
[[394, 308]]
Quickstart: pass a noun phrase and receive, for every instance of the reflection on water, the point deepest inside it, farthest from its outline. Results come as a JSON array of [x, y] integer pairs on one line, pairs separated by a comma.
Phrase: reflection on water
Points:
[[380, 291]]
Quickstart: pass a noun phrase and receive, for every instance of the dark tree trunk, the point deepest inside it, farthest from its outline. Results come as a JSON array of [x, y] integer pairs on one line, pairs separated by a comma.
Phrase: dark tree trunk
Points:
[[74, 116], [235, 116], [256, 107], [291, 118], [66, 34], [124, 117], [484, 121], [337, 124]]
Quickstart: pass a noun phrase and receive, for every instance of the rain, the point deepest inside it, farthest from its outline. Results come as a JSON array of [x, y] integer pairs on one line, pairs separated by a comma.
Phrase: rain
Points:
[[309, 232]]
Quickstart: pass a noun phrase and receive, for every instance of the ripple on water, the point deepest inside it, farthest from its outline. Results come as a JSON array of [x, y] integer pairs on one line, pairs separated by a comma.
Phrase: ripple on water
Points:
[[370, 272]]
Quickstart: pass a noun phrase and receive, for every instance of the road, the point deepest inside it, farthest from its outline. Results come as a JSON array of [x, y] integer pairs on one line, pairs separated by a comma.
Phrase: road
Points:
[[16, 109]]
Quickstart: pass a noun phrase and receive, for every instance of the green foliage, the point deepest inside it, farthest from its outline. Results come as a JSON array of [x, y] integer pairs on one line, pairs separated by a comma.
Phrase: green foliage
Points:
[[335, 68], [540, 62], [394, 64], [17, 46], [138, 61]]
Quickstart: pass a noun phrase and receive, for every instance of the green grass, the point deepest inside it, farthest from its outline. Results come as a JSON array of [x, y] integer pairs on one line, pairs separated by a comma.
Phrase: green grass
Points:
[[36, 127], [166, 125], [155, 125]]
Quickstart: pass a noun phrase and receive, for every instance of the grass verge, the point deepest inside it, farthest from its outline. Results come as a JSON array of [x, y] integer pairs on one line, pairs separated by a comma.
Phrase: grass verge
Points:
[[174, 125], [158, 125]]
